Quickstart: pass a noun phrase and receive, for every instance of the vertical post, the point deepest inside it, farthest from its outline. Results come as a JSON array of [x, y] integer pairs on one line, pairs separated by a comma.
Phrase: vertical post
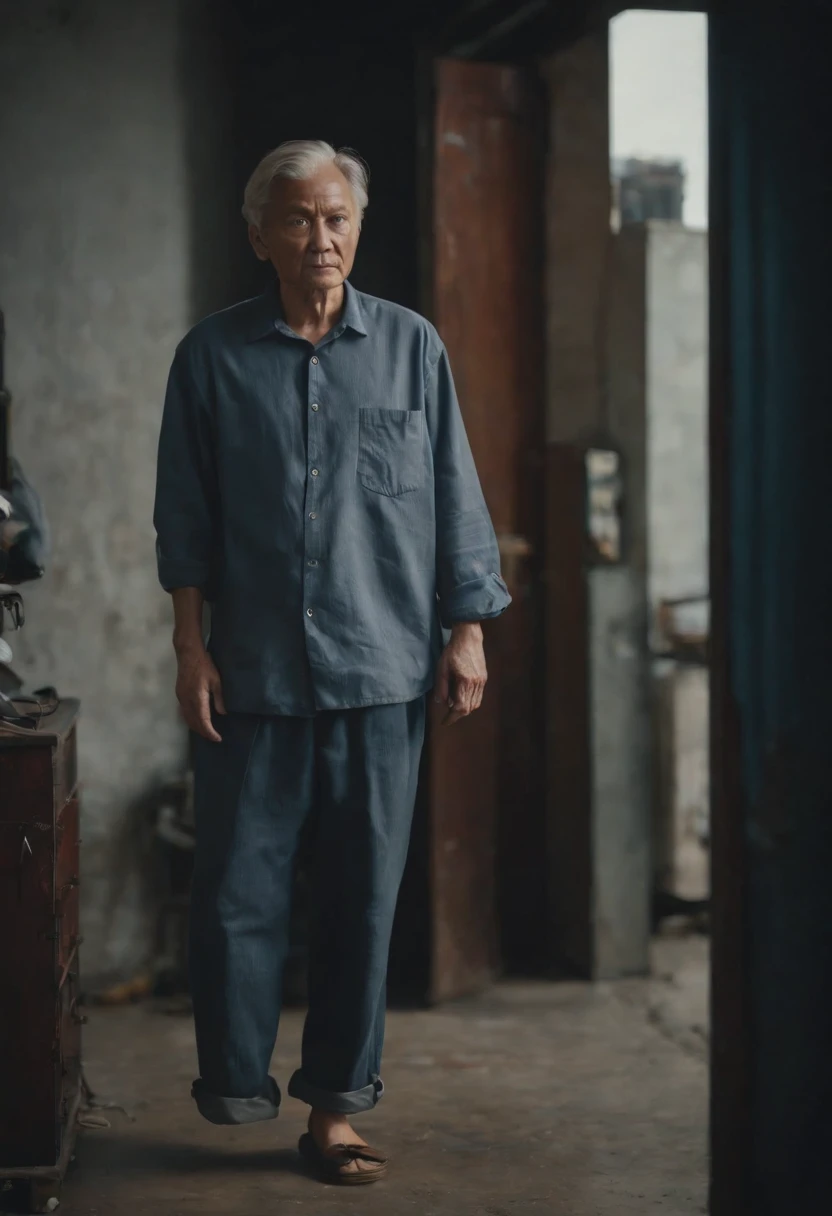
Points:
[[730, 1110], [5, 414], [771, 439], [598, 710]]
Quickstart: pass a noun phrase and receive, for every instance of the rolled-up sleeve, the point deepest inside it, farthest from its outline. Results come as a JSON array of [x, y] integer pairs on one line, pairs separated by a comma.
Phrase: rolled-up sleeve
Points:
[[185, 511], [468, 579]]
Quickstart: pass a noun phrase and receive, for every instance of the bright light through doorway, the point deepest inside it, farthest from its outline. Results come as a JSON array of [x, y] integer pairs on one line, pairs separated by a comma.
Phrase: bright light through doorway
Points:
[[658, 97]]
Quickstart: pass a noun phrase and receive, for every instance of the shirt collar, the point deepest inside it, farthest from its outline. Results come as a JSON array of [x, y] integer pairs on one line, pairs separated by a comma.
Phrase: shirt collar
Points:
[[268, 317]]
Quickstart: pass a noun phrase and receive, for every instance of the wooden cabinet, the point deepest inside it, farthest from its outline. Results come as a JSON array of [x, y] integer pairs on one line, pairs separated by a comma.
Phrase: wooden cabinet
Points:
[[40, 1023]]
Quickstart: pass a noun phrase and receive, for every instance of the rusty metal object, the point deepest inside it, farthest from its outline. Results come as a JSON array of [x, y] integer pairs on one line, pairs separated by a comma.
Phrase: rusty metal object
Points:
[[485, 775]]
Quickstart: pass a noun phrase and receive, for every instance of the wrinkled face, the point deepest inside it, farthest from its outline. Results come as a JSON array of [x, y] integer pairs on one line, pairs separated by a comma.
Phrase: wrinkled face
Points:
[[310, 230]]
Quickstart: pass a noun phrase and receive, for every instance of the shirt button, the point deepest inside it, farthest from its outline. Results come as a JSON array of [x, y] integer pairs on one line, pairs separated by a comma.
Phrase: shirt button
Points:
[[308, 611], [315, 408], [314, 472], [314, 358], [313, 562], [313, 514]]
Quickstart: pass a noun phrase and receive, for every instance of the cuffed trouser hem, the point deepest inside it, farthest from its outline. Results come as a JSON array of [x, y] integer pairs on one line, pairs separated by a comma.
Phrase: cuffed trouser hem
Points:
[[217, 1109], [343, 1104]]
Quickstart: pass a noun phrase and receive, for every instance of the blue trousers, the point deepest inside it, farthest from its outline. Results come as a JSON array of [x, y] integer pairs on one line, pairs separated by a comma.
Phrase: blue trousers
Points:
[[357, 770]]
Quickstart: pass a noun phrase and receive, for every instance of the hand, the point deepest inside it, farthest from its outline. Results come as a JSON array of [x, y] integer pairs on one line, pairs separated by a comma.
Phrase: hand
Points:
[[197, 685], [461, 673]]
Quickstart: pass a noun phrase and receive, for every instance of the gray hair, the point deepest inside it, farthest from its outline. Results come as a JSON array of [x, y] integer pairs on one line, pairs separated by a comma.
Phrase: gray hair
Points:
[[299, 159]]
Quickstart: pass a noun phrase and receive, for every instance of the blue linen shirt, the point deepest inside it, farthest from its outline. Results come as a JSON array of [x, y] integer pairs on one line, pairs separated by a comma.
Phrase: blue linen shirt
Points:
[[325, 501]]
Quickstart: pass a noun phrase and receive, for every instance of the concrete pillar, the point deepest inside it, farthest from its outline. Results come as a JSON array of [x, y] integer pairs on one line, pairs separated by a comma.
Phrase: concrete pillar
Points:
[[599, 728], [658, 381]]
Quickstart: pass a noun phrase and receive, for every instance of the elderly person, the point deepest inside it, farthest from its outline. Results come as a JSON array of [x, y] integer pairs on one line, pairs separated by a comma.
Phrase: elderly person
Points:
[[316, 488]]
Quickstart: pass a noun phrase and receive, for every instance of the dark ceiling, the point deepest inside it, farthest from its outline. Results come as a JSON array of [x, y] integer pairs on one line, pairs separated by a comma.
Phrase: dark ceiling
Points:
[[488, 29]]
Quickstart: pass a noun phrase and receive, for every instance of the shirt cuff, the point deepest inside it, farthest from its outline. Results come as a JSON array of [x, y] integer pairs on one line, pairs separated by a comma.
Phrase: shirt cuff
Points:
[[479, 600], [174, 573]]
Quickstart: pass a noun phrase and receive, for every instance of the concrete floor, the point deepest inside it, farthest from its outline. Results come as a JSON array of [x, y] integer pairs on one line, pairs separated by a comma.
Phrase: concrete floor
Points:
[[566, 1099]]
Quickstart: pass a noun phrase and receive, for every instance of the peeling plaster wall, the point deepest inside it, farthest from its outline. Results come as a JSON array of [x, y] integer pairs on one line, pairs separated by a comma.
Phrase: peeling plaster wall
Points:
[[98, 156]]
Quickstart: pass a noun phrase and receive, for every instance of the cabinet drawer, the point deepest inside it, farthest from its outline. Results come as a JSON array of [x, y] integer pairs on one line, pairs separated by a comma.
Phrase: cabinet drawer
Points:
[[27, 867], [27, 783], [39, 769]]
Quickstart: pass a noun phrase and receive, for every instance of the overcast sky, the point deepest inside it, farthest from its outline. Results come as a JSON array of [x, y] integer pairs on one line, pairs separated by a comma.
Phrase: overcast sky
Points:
[[659, 96]]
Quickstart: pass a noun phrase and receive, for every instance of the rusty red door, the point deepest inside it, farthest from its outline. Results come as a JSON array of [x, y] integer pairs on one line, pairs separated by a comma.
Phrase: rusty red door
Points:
[[484, 775]]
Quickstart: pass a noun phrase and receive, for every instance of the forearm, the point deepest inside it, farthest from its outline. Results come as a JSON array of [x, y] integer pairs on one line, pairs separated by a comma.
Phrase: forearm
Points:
[[467, 629], [187, 617]]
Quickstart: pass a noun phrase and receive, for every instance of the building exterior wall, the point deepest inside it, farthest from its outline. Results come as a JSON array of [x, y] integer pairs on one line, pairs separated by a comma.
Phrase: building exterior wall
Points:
[[658, 370], [677, 410], [98, 285], [677, 541], [682, 822]]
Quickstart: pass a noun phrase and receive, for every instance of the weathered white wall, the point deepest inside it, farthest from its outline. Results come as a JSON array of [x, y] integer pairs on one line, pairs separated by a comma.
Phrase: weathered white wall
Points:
[[677, 540], [677, 410], [658, 381], [682, 864], [96, 279]]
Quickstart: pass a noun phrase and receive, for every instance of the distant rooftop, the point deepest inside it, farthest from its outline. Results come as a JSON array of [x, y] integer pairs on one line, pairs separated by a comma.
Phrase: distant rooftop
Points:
[[647, 189]]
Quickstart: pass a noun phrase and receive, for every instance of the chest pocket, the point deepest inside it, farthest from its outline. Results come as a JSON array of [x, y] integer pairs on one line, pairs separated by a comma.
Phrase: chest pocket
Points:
[[391, 457]]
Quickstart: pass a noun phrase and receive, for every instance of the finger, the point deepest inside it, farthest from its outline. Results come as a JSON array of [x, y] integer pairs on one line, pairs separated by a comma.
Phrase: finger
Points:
[[216, 693], [205, 726], [478, 696], [191, 709], [465, 690], [459, 709]]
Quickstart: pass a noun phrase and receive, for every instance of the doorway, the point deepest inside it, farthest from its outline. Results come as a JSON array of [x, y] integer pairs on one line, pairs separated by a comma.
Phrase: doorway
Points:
[[534, 839], [658, 379]]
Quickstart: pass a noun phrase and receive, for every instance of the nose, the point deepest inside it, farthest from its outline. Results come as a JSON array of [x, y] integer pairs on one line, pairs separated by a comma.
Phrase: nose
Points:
[[321, 238]]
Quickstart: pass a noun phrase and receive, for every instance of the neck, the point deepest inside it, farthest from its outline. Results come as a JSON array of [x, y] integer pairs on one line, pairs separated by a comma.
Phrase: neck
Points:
[[311, 311]]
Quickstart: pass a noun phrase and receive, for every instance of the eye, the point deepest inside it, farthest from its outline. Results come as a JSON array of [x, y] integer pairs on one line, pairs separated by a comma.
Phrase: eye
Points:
[[339, 219], [297, 221]]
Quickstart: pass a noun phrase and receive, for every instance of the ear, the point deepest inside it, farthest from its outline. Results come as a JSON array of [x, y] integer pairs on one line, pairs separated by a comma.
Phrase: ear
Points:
[[257, 243]]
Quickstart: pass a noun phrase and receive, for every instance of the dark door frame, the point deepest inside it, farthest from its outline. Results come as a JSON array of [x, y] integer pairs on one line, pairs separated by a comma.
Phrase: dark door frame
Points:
[[730, 1093]]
